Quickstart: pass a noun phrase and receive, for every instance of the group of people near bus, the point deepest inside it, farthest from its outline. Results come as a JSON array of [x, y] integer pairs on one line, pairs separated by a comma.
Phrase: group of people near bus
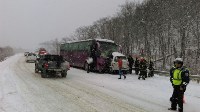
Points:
[[141, 66]]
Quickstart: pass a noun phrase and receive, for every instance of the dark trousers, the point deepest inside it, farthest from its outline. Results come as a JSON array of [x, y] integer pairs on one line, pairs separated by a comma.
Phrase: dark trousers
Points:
[[143, 73], [92, 66], [120, 73], [137, 70], [177, 98], [130, 69]]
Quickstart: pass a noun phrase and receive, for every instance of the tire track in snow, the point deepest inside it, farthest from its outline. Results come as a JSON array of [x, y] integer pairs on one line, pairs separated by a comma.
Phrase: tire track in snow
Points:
[[28, 80]]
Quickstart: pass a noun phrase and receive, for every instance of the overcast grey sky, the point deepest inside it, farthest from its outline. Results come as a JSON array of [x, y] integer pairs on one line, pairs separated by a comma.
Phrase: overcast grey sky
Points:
[[26, 23]]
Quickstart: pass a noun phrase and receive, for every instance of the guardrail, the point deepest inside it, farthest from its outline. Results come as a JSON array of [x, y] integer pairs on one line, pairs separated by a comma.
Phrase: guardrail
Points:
[[165, 73]]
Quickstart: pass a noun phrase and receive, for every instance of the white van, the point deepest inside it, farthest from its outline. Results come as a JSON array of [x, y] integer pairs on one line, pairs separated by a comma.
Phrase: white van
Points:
[[114, 63]]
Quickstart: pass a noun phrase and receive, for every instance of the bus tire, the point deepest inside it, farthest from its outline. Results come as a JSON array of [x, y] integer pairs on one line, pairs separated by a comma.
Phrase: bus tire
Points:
[[101, 70]]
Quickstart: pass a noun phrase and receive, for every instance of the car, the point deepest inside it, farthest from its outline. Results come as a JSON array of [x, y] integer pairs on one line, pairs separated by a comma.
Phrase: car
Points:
[[50, 65], [31, 57], [114, 63]]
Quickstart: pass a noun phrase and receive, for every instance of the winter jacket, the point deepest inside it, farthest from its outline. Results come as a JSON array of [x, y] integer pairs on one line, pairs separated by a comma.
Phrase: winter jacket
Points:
[[131, 61], [120, 63], [151, 66], [137, 63], [143, 65]]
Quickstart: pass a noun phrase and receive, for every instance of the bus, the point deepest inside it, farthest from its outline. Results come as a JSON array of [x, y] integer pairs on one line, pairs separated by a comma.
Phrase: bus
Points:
[[77, 53]]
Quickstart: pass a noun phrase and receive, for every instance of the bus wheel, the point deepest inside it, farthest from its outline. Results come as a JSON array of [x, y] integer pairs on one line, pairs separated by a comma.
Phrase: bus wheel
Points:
[[101, 70]]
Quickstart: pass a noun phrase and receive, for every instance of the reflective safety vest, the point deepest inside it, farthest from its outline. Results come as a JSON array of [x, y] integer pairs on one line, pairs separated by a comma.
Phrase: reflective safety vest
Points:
[[177, 79]]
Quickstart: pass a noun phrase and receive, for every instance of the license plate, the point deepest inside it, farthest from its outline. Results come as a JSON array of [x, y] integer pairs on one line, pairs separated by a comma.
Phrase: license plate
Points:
[[58, 70]]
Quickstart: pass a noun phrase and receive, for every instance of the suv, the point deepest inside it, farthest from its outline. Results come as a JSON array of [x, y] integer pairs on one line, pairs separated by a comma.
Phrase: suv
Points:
[[114, 63], [51, 65]]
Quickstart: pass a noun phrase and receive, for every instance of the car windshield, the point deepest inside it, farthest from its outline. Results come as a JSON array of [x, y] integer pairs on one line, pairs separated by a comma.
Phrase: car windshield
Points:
[[122, 57]]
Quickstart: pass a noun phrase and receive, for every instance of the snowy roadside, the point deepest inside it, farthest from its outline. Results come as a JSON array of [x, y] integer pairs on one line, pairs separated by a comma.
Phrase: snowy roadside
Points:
[[10, 98], [152, 94]]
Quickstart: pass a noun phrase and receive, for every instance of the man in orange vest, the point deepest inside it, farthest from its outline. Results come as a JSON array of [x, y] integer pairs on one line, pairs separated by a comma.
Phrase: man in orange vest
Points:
[[120, 68]]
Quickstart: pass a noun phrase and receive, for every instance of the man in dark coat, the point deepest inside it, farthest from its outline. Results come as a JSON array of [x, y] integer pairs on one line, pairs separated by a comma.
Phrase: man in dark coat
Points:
[[137, 64], [151, 69], [93, 52], [130, 61], [143, 69]]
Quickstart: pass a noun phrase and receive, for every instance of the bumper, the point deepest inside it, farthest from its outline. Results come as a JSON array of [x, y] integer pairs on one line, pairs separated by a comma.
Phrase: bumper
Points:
[[56, 70], [31, 60]]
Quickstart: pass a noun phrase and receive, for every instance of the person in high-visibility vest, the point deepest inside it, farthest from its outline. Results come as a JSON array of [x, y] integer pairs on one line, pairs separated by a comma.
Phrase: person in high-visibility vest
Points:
[[179, 77]]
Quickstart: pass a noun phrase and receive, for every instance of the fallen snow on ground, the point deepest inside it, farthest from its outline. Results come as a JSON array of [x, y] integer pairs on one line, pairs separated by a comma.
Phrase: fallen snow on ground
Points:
[[21, 90], [151, 94]]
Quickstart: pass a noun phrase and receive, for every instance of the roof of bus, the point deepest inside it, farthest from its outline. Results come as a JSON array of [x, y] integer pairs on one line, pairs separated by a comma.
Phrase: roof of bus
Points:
[[101, 40]]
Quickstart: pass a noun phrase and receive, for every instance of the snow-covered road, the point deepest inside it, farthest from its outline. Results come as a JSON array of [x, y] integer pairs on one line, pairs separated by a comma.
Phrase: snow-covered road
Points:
[[22, 90]]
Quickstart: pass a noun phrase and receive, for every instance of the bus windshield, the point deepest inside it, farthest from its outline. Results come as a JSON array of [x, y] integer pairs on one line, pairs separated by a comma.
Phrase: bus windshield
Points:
[[107, 48]]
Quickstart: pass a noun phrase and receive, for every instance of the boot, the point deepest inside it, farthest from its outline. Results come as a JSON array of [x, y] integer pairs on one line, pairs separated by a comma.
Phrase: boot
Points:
[[124, 77], [172, 109], [143, 77], [180, 110]]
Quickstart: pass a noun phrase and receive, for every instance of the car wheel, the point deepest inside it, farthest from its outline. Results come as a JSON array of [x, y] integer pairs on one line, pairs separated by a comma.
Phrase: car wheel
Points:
[[36, 70], [43, 74]]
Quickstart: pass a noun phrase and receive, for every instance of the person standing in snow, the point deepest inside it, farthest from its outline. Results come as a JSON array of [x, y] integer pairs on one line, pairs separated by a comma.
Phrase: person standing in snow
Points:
[[93, 52], [143, 69], [137, 64], [151, 69], [120, 62], [179, 77], [130, 63]]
